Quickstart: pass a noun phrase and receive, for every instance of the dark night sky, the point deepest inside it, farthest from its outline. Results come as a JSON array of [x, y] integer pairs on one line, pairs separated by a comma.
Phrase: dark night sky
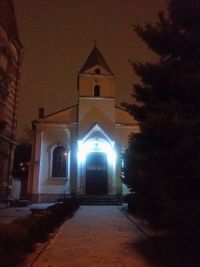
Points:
[[57, 37]]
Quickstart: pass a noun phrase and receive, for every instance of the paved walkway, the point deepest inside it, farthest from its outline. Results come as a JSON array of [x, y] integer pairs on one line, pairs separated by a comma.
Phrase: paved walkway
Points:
[[97, 236]]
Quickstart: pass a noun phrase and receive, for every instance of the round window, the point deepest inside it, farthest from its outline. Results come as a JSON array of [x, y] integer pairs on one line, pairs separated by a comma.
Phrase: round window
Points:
[[97, 71]]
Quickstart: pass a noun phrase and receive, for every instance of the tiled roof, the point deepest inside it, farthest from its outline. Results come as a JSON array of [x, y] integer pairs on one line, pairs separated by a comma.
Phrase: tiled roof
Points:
[[95, 58]]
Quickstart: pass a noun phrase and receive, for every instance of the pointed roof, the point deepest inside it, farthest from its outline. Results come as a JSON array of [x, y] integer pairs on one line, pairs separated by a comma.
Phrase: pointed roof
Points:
[[95, 58]]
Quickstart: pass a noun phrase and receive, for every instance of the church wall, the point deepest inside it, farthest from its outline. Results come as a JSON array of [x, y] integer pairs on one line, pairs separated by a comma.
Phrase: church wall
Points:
[[118, 168], [112, 183], [122, 135], [67, 115], [73, 159], [52, 137], [87, 83], [33, 183], [50, 188], [123, 117], [96, 110]]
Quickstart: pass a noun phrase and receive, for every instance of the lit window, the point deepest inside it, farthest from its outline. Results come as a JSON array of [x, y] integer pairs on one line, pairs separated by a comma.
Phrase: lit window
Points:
[[97, 90], [60, 162]]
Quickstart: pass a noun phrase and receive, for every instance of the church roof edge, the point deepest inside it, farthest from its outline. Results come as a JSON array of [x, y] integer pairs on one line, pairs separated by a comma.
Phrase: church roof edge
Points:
[[95, 58], [54, 113]]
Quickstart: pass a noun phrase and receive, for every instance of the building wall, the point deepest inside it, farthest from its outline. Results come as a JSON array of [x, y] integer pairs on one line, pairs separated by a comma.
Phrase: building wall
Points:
[[44, 188], [10, 65], [96, 110]]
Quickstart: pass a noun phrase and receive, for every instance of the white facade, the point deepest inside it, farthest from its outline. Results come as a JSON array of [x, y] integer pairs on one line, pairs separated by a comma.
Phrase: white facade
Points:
[[78, 149]]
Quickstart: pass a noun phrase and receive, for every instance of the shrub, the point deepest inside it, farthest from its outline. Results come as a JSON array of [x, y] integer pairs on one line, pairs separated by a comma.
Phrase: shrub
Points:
[[13, 237], [21, 234]]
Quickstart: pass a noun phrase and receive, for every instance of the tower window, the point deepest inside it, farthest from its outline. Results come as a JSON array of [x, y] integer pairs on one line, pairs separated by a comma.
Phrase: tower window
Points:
[[97, 90], [60, 160]]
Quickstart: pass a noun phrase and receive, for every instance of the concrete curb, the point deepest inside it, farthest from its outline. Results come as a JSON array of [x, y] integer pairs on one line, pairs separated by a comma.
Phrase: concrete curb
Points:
[[134, 221], [32, 257]]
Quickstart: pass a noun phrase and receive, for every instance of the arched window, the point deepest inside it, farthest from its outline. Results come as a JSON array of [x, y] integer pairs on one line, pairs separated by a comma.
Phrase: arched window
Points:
[[59, 162], [97, 90]]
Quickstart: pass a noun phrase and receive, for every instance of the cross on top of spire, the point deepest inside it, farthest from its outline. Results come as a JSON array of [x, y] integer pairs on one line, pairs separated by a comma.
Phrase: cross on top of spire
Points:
[[95, 41]]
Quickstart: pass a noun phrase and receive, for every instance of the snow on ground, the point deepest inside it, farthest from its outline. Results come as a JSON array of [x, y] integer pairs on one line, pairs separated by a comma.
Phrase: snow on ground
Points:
[[7, 215], [97, 236]]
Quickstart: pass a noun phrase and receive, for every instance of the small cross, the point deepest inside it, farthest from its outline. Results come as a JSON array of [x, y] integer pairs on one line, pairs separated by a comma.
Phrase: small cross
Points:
[[95, 41]]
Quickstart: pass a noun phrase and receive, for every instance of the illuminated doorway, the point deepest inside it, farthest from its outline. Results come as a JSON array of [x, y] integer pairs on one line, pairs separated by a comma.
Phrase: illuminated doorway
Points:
[[96, 173]]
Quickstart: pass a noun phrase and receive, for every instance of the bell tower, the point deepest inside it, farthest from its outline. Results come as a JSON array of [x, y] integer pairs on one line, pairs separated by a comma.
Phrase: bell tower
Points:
[[96, 93], [95, 77]]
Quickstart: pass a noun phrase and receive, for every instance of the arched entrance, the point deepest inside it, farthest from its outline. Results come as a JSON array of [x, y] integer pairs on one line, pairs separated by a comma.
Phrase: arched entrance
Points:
[[96, 173]]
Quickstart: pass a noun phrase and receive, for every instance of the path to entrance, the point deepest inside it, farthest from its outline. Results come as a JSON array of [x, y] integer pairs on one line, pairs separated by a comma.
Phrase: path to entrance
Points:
[[97, 236]]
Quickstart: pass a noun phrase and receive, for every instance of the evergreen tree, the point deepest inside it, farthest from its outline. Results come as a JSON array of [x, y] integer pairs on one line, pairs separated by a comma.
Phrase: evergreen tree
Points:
[[162, 163]]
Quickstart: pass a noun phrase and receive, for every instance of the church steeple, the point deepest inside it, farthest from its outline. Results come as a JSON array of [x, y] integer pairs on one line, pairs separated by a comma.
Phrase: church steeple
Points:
[[96, 86], [95, 59], [95, 78]]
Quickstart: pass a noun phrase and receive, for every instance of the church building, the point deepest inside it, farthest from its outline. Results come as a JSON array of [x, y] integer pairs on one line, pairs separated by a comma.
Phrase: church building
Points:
[[78, 150]]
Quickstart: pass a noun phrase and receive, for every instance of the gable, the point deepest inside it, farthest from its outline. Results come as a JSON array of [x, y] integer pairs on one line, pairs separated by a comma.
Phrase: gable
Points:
[[96, 116]]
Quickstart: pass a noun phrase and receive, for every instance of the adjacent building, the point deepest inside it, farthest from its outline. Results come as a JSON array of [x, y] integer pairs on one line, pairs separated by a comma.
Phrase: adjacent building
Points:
[[10, 65], [78, 149]]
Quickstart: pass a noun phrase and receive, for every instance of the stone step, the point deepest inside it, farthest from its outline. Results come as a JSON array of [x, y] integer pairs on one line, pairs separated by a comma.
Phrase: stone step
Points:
[[19, 203], [100, 200]]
